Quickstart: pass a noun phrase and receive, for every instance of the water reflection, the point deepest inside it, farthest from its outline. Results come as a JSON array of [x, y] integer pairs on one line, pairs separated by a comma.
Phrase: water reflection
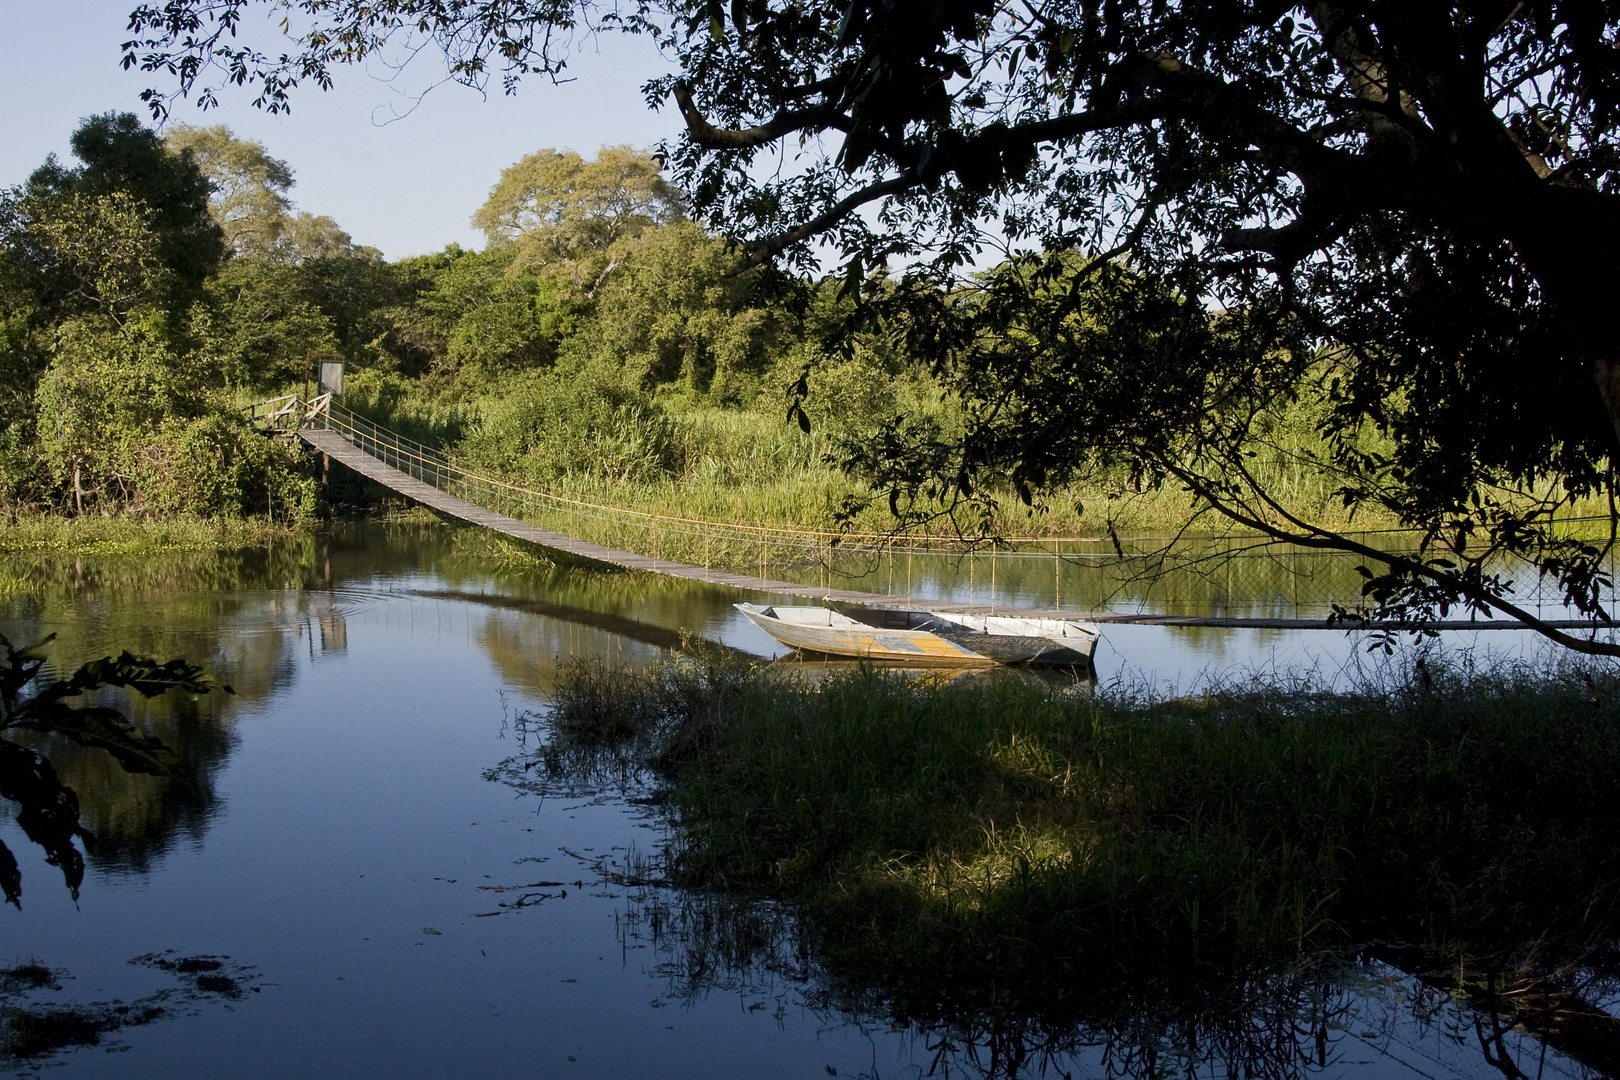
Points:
[[1236, 577], [336, 810], [245, 615], [1337, 1015]]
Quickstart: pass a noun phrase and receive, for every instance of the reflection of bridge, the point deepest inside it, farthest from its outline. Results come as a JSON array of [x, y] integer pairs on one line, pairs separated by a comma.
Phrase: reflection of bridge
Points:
[[428, 477]]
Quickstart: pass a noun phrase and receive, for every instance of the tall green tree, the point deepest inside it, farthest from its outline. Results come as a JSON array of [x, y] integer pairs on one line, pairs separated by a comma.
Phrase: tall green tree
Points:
[[1403, 201], [121, 159], [490, 318], [676, 315], [250, 200], [249, 197], [564, 214], [261, 324], [107, 401]]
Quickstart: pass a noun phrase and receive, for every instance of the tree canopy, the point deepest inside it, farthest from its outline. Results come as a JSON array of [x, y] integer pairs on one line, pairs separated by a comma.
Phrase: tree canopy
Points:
[[112, 365], [67, 226], [563, 213], [1405, 208], [249, 198]]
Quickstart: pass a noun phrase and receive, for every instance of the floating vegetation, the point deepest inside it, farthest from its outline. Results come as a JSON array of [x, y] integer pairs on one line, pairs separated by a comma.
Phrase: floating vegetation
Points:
[[37, 1023], [128, 534]]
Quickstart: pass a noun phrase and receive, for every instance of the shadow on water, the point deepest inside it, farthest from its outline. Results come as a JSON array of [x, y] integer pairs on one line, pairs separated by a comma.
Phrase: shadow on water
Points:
[[646, 633]]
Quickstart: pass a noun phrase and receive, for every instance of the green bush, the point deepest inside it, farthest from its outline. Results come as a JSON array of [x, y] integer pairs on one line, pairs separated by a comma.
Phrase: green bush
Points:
[[125, 423], [547, 425], [218, 466]]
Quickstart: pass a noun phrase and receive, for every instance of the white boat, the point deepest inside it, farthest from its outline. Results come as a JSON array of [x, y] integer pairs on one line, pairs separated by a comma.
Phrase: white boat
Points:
[[927, 637]]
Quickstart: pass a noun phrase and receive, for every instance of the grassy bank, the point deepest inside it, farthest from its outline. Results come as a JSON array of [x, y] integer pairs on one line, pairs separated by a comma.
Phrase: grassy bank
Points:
[[748, 464], [1012, 843], [128, 534]]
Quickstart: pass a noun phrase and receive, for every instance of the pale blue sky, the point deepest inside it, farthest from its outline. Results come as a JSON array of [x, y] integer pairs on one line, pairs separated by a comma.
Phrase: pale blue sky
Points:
[[407, 187]]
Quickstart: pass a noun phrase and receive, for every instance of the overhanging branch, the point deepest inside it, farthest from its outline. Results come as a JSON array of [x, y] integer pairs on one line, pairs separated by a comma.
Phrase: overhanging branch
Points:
[[1315, 536], [785, 122], [763, 251]]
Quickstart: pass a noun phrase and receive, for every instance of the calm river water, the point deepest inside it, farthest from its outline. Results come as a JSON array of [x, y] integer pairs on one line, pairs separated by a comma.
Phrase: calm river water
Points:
[[345, 892]]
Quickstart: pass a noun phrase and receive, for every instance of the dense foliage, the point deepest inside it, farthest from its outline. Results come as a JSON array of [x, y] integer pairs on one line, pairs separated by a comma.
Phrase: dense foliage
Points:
[[600, 337], [1394, 204], [113, 397]]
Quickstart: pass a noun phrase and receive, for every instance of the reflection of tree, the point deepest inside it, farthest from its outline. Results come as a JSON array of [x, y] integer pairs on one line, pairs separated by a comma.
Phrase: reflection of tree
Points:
[[135, 819], [192, 604], [1124, 1020], [34, 704], [239, 613], [1185, 575]]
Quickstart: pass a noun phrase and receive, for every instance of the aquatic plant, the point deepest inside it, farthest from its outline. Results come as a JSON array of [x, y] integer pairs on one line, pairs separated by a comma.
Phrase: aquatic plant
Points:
[[37, 1024], [1004, 847]]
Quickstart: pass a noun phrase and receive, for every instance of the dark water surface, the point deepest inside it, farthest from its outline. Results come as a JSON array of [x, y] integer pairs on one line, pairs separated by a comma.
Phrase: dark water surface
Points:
[[356, 898]]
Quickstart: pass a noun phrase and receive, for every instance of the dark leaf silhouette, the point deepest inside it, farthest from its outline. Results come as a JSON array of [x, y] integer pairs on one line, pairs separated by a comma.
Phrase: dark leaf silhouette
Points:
[[48, 809]]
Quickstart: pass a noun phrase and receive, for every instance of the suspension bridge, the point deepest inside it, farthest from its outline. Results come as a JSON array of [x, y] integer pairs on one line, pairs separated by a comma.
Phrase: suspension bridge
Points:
[[426, 476]]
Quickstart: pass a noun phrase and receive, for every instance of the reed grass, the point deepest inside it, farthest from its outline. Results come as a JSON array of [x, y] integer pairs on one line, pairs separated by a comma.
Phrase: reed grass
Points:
[[750, 467], [1002, 832], [130, 534]]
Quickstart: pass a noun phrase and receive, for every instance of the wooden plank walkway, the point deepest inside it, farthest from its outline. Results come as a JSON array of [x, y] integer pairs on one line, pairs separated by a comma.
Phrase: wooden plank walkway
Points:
[[339, 449], [342, 450]]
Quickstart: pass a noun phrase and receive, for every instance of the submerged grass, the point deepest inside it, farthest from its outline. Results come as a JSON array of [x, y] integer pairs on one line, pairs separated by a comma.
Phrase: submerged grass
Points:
[[1014, 842]]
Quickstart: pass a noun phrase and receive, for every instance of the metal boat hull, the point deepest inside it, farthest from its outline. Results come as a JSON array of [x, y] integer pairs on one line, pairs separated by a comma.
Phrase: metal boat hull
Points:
[[926, 637]]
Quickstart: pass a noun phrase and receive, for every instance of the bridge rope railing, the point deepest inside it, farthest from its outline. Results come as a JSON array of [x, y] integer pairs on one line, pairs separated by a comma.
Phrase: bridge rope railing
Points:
[[694, 540], [1239, 568]]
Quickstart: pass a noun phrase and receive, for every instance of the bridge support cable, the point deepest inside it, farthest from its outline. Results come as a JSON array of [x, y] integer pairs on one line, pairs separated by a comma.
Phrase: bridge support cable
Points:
[[427, 476]]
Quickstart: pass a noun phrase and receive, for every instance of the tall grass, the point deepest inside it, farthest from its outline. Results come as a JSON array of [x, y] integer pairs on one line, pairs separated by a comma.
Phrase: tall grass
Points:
[[751, 466], [674, 457], [1001, 833]]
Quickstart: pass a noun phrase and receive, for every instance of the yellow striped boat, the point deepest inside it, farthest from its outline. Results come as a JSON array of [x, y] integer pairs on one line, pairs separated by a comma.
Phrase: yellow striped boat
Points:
[[927, 637]]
